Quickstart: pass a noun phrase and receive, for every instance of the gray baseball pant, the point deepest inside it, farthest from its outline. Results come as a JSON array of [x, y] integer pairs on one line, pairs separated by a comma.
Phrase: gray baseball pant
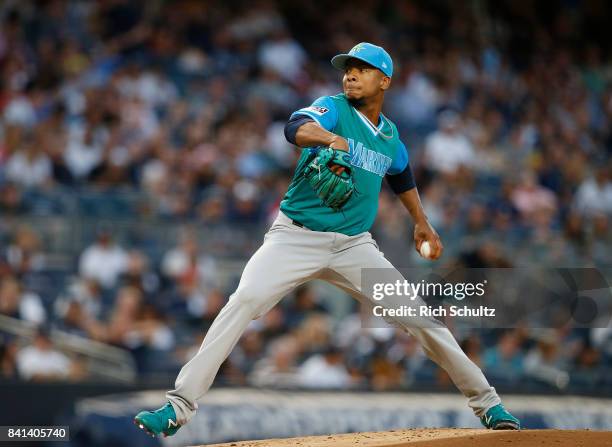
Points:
[[290, 256]]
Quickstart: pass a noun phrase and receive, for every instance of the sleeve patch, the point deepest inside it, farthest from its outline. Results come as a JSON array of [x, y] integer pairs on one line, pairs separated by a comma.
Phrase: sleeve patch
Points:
[[317, 109], [323, 111]]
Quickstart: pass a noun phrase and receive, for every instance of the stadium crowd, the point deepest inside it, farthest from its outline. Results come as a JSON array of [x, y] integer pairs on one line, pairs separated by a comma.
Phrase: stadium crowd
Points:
[[172, 112]]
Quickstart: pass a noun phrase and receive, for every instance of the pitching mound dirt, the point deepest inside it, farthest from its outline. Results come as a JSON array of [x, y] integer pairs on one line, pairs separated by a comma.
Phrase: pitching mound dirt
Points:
[[443, 438]]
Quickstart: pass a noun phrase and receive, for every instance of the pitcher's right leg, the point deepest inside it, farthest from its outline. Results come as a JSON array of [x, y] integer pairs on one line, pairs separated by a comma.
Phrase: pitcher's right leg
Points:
[[288, 257]]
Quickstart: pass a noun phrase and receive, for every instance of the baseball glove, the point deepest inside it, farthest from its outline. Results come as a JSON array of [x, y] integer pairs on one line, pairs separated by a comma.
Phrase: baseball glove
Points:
[[329, 173]]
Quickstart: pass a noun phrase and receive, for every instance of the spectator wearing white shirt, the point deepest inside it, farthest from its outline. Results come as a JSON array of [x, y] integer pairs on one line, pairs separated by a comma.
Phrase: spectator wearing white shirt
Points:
[[29, 166], [283, 55], [325, 371], [447, 149], [595, 194], [103, 261], [20, 111], [83, 153], [40, 362], [417, 97]]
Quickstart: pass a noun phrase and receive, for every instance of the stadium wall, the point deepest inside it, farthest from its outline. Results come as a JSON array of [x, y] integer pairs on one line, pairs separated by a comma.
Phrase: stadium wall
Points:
[[242, 414]]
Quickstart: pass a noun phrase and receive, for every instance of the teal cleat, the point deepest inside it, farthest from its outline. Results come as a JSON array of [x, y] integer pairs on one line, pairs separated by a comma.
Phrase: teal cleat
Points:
[[498, 418], [159, 422]]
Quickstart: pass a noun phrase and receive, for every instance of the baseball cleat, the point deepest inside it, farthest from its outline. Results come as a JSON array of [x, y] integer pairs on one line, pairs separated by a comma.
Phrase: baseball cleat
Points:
[[159, 422], [498, 418]]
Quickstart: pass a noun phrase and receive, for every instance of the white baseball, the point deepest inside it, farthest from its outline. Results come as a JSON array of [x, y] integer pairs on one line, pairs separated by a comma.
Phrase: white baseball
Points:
[[426, 250]]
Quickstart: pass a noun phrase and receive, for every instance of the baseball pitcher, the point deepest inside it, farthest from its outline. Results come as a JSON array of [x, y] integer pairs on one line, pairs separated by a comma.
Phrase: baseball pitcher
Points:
[[321, 232]]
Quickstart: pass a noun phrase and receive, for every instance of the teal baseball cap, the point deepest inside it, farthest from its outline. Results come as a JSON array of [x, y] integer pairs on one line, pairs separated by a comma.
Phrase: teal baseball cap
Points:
[[372, 54]]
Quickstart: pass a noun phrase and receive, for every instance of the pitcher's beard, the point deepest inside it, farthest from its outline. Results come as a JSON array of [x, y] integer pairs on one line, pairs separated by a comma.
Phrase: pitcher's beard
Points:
[[356, 102]]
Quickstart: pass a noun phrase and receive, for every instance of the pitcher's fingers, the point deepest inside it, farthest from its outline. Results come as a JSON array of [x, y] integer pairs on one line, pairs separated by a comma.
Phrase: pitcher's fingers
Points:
[[418, 240], [438, 247]]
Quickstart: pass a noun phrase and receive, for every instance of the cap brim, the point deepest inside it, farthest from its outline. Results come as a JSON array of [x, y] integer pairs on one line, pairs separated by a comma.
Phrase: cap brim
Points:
[[339, 61]]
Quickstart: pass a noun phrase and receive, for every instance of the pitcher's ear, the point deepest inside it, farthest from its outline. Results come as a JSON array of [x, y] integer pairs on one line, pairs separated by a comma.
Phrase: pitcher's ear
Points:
[[385, 82]]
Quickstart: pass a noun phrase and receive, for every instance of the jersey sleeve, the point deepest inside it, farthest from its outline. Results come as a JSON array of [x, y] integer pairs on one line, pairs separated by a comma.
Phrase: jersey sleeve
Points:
[[323, 111], [400, 161]]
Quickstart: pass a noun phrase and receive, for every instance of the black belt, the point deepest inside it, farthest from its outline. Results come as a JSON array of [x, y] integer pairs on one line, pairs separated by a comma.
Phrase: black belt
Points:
[[297, 224]]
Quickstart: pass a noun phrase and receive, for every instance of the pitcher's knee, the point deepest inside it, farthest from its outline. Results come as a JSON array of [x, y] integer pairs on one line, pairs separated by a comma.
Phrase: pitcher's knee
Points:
[[252, 298]]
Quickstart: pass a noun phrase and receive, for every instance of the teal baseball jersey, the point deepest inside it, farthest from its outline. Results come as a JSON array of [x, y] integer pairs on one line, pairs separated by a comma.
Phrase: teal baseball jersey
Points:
[[375, 151]]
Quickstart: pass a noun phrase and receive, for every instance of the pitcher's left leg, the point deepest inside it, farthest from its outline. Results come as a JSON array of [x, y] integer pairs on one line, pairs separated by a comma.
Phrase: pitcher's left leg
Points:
[[438, 342]]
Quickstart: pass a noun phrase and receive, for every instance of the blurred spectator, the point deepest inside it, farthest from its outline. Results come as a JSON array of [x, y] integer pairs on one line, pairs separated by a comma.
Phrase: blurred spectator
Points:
[[279, 367], [134, 324], [284, 55], [41, 362], [595, 194], [192, 303], [409, 352], [8, 358], [447, 149], [602, 340], [601, 240], [586, 368], [139, 274], [104, 260], [386, 374], [11, 200], [17, 303], [417, 98], [24, 254], [86, 293], [325, 370], [29, 166], [184, 264], [314, 333], [530, 199], [84, 151], [304, 303], [244, 206], [504, 361], [20, 111], [73, 319], [545, 361], [272, 324]]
